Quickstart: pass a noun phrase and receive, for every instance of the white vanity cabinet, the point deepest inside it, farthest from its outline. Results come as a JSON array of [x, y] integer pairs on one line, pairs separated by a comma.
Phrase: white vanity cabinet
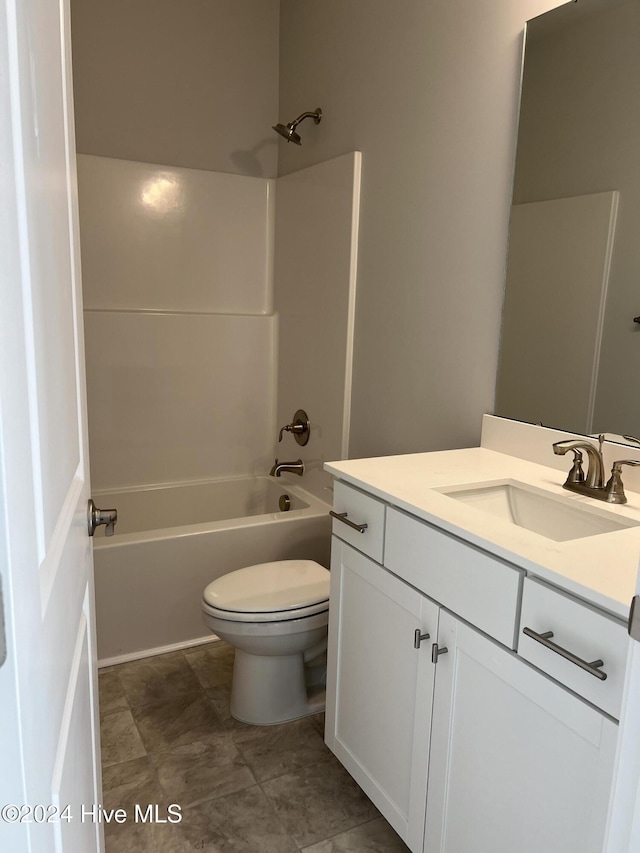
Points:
[[380, 691], [474, 749], [517, 762]]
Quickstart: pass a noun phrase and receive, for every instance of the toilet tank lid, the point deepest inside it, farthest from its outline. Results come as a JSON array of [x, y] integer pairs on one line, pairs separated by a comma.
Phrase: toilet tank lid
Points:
[[270, 587]]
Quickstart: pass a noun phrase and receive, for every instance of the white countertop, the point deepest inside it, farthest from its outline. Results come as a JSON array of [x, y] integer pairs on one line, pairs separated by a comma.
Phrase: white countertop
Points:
[[600, 569]]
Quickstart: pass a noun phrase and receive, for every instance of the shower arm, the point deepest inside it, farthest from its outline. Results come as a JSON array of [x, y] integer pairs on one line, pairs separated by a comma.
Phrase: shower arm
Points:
[[316, 116]]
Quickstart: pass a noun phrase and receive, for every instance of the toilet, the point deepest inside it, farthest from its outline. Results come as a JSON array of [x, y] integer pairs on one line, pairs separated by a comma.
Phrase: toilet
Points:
[[276, 617]]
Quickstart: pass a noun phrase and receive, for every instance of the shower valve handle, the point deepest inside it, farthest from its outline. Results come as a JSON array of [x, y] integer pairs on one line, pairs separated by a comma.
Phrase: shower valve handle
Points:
[[299, 427]]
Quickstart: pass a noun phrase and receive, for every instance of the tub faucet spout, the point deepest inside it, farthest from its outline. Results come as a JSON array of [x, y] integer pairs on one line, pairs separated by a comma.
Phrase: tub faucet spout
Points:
[[292, 467]]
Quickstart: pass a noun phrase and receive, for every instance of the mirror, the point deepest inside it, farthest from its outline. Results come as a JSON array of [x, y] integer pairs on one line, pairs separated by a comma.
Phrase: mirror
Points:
[[570, 348]]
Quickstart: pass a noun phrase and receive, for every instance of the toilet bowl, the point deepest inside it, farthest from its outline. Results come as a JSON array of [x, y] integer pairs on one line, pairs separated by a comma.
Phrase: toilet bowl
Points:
[[276, 617]]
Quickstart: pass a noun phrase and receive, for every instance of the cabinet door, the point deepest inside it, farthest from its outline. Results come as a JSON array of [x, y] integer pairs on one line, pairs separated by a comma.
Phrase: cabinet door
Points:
[[380, 688], [517, 762]]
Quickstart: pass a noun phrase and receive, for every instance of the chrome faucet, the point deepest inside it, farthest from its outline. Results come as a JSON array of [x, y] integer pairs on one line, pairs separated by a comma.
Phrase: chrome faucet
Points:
[[593, 484], [595, 471], [292, 467]]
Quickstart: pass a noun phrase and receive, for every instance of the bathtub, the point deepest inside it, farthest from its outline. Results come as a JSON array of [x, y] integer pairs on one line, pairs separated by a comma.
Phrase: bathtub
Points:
[[171, 541]]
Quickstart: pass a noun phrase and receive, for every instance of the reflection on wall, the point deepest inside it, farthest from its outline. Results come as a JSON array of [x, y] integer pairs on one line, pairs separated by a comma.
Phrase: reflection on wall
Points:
[[579, 134], [558, 274], [180, 337]]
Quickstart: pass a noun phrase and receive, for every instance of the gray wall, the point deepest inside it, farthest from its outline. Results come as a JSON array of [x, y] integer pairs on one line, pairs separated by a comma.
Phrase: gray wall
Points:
[[426, 89], [428, 92], [191, 83]]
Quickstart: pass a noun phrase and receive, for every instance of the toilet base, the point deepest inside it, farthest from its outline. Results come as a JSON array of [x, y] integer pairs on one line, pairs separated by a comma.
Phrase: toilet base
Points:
[[268, 690]]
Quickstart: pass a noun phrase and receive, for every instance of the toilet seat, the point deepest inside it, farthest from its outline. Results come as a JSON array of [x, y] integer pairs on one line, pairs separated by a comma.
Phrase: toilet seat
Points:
[[269, 592], [271, 616]]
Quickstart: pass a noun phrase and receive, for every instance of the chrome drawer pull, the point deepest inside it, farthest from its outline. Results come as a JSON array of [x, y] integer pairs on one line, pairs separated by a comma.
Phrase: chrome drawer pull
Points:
[[342, 516], [592, 668]]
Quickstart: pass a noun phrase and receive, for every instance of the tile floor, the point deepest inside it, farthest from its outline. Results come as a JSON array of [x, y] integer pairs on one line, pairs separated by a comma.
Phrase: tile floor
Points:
[[168, 737]]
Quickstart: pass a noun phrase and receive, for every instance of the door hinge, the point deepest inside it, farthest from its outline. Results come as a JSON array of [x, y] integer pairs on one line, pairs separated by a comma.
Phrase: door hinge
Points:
[[634, 618]]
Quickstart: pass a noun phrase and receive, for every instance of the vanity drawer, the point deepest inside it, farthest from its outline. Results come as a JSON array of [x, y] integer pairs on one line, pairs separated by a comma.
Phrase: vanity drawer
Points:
[[477, 586], [584, 632], [360, 509]]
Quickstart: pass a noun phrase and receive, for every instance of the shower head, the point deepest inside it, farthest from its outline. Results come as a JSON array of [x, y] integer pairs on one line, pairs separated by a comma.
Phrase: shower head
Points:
[[288, 131]]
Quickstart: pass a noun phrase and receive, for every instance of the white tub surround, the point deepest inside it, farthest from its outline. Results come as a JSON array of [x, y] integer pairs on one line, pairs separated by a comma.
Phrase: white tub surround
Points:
[[162, 238], [183, 356], [180, 332], [316, 254], [599, 569], [149, 578], [189, 350], [175, 397]]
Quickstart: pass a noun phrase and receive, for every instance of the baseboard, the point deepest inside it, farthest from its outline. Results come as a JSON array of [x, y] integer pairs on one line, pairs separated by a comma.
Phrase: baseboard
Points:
[[159, 650]]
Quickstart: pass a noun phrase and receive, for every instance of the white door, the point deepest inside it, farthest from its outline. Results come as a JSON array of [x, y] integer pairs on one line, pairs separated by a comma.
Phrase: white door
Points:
[[48, 723], [517, 762], [380, 688]]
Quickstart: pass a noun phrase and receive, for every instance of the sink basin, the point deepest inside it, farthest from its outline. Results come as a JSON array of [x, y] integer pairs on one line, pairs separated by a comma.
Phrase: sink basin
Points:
[[542, 513]]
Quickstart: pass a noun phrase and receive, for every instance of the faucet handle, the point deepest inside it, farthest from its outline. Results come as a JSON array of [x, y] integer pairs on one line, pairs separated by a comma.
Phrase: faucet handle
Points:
[[576, 474], [617, 466], [296, 429], [299, 427], [615, 487]]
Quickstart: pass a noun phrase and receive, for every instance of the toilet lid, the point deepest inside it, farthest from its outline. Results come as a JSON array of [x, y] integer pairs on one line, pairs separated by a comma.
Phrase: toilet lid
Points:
[[286, 585]]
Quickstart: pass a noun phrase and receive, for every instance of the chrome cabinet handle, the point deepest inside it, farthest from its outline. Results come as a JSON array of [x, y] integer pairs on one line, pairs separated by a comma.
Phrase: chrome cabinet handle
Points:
[[418, 638], [342, 516], [591, 667], [436, 652]]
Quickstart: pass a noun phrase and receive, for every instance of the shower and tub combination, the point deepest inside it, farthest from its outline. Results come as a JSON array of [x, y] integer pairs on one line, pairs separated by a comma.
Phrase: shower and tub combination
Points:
[[257, 549], [189, 369], [172, 541]]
